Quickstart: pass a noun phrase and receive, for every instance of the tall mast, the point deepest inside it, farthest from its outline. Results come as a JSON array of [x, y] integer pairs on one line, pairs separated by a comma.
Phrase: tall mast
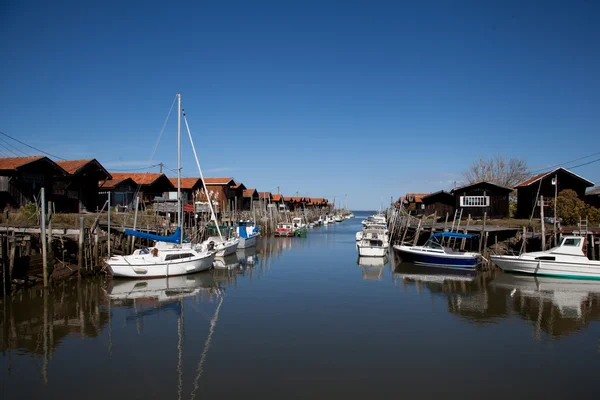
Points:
[[179, 166]]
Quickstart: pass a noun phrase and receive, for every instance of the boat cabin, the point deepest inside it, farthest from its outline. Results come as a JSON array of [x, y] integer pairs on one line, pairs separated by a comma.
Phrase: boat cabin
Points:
[[570, 245]]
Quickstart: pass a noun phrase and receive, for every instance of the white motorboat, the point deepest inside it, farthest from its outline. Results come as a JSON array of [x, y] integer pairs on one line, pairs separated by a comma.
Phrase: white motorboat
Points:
[[373, 243], [566, 261], [374, 219], [373, 227], [338, 218], [247, 233]]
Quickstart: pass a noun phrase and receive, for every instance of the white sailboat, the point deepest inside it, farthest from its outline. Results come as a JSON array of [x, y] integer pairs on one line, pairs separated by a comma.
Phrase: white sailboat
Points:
[[170, 255]]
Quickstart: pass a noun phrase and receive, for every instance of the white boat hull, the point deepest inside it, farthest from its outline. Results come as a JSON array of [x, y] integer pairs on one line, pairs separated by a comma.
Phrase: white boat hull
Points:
[[372, 251], [226, 248], [121, 267], [247, 242], [583, 270]]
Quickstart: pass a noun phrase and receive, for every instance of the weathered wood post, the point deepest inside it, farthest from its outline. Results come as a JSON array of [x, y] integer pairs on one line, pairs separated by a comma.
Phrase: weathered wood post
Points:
[[433, 222], [482, 232], [542, 222], [96, 250], [108, 242], [137, 201], [418, 231], [593, 247], [466, 230], [81, 242], [5, 269], [50, 213], [43, 237], [524, 239]]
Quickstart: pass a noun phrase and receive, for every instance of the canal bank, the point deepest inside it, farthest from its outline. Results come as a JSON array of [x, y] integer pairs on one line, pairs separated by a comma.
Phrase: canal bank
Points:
[[301, 318]]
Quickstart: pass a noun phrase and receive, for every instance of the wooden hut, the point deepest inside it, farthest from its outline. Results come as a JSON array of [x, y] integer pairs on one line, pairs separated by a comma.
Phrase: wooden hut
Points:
[[122, 192], [413, 202], [543, 185], [223, 193], [592, 197], [191, 189], [249, 199], [482, 197], [149, 185], [21, 179], [440, 202], [78, 190]]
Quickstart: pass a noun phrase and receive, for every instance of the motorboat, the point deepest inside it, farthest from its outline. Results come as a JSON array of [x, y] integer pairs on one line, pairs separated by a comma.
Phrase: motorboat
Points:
[[247, 233], [373, 243], [433, 254], [284, 229], [566, 261], [299, 227], [373, 227], [374, 219]]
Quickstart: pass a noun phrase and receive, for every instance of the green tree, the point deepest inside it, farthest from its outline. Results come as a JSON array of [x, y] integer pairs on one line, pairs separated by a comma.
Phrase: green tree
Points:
[[570, 208]]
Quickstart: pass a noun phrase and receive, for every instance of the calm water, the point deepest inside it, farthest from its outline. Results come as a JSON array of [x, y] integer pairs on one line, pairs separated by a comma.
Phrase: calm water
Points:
[[301, 318]]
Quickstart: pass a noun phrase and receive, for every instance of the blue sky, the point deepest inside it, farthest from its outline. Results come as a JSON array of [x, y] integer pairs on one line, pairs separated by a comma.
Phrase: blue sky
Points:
[[364, 98]]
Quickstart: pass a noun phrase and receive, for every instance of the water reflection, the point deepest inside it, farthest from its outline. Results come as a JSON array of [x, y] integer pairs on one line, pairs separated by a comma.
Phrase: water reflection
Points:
[[37, 321], [372, 267], [556, 306]]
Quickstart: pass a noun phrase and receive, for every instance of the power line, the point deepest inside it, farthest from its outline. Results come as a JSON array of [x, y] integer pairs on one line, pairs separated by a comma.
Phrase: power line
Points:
[[31, 147], [13, 147], [9, 150], [568, 162], [587, 163]]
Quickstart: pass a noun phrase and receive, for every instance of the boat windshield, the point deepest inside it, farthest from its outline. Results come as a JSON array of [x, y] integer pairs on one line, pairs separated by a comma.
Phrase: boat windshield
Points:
[[430, 244]]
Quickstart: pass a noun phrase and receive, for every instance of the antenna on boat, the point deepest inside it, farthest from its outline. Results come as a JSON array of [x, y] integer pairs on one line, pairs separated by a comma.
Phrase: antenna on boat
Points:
[[179, 168]]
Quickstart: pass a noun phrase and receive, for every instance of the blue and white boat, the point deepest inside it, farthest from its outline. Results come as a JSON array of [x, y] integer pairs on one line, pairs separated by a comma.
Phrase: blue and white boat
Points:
[[248, 233], [433, 254]]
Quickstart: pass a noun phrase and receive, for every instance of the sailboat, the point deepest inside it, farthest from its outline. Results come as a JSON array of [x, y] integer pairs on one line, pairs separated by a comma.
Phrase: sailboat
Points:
[[169, 256]]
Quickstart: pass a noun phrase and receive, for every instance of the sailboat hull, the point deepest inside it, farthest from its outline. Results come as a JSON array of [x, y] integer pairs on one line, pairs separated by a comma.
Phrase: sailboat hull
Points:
[[120, 267]]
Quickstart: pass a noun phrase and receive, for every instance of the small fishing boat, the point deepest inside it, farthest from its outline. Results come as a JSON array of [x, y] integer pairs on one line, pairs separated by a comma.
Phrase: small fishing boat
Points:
[[247, 233], [338, 218], [284, 229], [566, 261], [433, 254], [299, 227], [374, 219], [375, 227], [373, 243]]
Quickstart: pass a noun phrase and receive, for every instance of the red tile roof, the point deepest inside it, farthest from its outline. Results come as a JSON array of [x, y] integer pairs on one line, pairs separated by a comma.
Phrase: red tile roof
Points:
[[186, 183], [72, 166], [277, 197], [218, 181], [145, 178], [264, 195], [112, 183], [249, 192], [12, 163], [416, 197]]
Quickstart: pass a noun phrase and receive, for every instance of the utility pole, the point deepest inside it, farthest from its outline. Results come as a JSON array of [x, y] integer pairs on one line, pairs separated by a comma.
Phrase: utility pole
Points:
[[161, 167]]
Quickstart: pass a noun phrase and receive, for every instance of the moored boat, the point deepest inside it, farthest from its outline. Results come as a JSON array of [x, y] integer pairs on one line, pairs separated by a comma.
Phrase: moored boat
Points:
[[247, 233], [284, 229], [566, 261], [433, 254]]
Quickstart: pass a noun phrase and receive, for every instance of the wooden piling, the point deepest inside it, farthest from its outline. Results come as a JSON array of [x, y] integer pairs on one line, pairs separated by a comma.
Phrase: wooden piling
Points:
[[43, 237], [80, 263], [6, 283], [416, 240], [542, 222]]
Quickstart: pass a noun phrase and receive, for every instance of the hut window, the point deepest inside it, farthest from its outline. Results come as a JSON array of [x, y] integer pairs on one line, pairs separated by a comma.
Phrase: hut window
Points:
[[474, 201]]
